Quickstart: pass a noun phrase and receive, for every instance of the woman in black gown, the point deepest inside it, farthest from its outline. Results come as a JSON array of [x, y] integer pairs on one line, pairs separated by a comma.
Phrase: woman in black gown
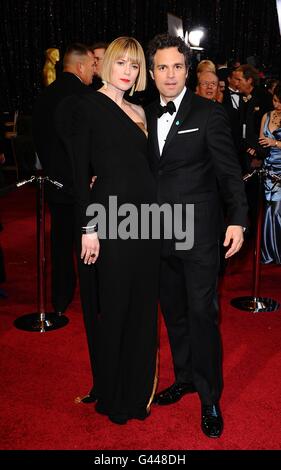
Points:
[[109, 140]]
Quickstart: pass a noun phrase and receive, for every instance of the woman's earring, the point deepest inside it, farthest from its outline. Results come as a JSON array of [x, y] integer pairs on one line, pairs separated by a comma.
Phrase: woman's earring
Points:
[[132, 90], [104, 84]]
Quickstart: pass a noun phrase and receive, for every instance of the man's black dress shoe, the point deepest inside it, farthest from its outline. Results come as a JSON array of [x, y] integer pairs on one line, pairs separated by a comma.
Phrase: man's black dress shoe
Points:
[[212, 422], [173, 393]]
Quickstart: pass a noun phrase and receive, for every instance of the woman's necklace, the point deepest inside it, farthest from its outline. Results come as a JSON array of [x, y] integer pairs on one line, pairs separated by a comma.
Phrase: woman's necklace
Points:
[[276, 118]]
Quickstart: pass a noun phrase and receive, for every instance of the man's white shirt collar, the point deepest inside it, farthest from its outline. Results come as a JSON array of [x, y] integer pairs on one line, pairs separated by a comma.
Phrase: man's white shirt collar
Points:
[[164, 123], [177, 101]]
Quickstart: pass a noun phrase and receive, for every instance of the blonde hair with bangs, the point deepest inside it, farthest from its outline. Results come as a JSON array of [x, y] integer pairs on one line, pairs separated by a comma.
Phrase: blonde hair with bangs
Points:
[[116, 50]]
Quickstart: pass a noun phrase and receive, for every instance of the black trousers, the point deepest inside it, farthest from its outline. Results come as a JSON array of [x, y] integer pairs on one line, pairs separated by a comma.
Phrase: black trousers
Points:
[[62, 254], [189, 305]]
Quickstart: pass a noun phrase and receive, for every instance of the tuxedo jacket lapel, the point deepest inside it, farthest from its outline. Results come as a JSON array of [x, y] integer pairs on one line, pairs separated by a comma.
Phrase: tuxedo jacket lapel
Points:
[[180, 116]]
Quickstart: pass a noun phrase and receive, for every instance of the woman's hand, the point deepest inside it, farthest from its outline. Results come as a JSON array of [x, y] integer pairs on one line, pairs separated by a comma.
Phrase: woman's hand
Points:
[[93, 181], [90, 248], [267, 142]]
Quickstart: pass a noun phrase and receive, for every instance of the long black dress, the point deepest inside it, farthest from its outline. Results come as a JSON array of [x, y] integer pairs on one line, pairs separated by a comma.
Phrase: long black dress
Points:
[[108, 144]]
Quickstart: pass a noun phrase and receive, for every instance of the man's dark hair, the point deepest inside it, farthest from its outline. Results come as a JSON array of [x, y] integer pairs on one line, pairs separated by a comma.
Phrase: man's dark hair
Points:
[[220, 59], [163, 41], [99, 45], [249, 72], [231, 70], [76, 49]]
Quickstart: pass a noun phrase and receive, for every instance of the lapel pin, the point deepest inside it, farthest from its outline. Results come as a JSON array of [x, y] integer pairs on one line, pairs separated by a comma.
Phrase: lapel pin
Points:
[[177, 123]]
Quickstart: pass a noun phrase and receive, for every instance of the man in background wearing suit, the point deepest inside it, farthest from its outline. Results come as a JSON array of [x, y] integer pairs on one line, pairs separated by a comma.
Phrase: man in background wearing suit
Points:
[[98, 49], [78, 71], [192, 155], [255, 103], [232, 104]]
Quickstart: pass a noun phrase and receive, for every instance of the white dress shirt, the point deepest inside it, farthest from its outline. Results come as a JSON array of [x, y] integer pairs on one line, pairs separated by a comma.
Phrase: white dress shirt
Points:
[[165, 122], [234, 98]]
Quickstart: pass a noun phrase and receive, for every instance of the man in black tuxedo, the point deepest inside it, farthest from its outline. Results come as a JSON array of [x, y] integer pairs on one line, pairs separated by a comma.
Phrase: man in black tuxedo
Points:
[[232, 101], [192, 155], [77, 75], [255, 103]]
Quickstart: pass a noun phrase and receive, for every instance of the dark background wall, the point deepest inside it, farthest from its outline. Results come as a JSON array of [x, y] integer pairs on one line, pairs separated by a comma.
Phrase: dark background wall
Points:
[[28, 27]]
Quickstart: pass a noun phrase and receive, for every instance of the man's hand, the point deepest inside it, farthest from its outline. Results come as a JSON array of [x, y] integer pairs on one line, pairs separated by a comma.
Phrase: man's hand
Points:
[[251, 151], [233, 237]]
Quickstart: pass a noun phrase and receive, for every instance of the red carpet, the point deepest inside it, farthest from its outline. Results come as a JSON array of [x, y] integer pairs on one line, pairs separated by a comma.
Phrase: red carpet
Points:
[[43, 372]]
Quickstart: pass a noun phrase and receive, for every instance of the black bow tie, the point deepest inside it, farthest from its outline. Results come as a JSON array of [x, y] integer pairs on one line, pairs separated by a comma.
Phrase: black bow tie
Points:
[[170, 108], [234, 93]]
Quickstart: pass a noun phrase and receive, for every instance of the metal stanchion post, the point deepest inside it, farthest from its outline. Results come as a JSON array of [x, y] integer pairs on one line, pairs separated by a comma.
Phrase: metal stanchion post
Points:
[[255, 303], [41, 321]]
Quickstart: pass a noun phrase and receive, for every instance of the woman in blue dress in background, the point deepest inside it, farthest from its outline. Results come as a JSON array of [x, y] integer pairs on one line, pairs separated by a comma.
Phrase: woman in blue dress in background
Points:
[[270, 136]]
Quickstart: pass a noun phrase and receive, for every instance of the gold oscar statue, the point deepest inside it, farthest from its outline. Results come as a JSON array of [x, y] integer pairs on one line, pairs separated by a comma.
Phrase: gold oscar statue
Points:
[[49, 69]]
